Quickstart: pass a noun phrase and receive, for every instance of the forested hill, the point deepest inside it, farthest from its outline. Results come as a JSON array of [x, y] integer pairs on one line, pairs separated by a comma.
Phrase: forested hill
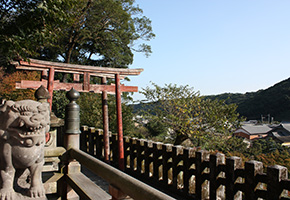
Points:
[[274, 101]]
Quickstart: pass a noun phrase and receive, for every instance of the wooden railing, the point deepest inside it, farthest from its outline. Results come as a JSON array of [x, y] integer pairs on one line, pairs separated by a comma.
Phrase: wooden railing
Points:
[[75, 185], [125, 183], [192, 173]]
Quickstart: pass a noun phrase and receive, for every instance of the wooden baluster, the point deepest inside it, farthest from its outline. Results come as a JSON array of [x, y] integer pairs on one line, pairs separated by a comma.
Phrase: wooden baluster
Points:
[[156, 164], [99, 144], [200, 158], [275, 175], [132, 156], [166, 156], [84, 139], [139, 156], [92, 131], [198, 174], [127, 152], [215, 161], [114, 148], [232, 163], [252, 168], [148, 157], [177, 152], [188, 160]]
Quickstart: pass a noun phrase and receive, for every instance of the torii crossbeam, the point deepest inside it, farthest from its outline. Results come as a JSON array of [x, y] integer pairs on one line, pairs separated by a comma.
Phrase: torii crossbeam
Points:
[[48, 71]]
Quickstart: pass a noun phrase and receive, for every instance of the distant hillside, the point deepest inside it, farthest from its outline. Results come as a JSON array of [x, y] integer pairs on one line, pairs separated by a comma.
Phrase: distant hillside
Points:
[[274, 101]]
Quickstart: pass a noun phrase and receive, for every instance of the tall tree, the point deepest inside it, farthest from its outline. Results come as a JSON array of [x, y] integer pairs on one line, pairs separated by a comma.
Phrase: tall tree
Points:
[[187, 115], [103, 32]]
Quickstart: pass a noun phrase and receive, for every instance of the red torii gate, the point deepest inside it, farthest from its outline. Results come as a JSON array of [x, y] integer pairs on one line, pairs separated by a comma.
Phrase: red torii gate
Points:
[[49, 68]]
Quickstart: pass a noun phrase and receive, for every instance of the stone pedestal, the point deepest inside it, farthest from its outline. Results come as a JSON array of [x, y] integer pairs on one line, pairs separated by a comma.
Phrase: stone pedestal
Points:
[[51, 154]]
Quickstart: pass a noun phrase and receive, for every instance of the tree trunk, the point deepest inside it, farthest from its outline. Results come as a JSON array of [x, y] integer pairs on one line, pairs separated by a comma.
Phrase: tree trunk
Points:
[[67, 60], [180, 138]]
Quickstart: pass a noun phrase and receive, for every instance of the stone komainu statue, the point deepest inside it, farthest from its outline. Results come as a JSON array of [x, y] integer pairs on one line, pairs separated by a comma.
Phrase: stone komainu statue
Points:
[[23, 125]]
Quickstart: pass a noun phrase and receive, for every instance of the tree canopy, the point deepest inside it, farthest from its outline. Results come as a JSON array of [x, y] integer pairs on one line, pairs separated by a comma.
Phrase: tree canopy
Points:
[[187, 115], [103, 32]]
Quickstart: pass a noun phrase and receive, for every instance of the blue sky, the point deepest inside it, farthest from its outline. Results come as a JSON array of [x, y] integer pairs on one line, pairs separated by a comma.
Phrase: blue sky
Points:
[[216, 46]]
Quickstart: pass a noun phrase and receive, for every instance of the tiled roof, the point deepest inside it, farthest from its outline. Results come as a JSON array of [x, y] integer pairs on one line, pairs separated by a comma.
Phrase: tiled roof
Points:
[[286, 126], [256, 129], [284, 139]]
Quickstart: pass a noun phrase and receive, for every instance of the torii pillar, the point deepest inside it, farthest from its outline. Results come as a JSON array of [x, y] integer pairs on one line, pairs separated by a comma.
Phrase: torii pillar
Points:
[[119, 123]]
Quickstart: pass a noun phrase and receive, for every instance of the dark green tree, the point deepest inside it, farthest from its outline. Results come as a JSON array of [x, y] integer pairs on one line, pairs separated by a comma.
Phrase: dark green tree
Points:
[[103, 32]]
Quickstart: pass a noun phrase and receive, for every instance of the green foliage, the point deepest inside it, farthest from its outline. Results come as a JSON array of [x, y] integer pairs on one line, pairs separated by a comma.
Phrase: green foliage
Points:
[[91, 110], [257, 147], [264, 146], [59, 103], [156, 127], [103, 32], [127, 116], [183, 111], [233, 144]]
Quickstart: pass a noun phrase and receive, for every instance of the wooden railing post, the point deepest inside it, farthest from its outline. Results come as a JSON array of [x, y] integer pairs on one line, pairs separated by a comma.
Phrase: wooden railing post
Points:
[[84, 138], [232, 163], [100, 146], [166, 155], [252, 168], [114, 149], [140, 156], [132, 143], [156, 162], [275, 174], [177, 152], [127, 150], [72, 138], [200, 191], [148, 158], [92, 131], [215, 161], [188, 160]]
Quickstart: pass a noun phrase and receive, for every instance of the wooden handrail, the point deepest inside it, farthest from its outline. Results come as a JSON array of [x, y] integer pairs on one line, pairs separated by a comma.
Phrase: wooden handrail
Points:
[[127, 184]]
